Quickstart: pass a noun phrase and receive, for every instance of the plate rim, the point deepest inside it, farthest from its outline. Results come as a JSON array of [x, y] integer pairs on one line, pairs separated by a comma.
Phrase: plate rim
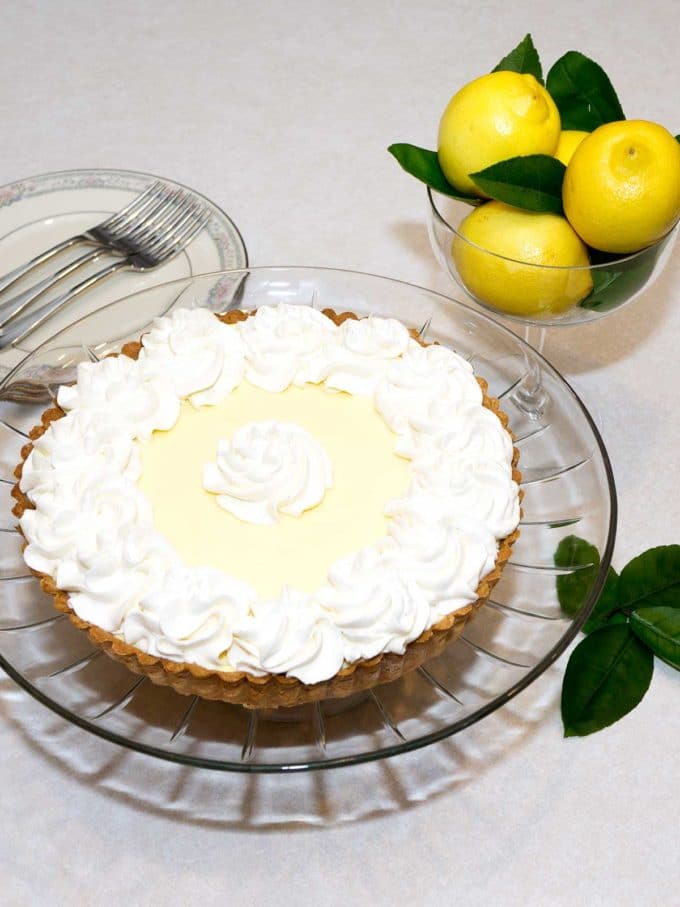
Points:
[[240, 247]]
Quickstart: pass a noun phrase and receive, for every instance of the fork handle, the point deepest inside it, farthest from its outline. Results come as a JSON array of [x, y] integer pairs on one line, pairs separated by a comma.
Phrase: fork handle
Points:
[[22, 327], [8, 279], [21, 301]]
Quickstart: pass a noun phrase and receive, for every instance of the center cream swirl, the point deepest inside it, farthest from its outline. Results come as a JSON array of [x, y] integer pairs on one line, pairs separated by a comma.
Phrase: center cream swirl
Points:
[[269, 468]]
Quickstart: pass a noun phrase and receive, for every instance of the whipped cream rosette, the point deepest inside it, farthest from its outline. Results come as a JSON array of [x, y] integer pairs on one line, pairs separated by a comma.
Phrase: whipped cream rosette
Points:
[[201, 356], [365, 350], [286, 345], [268, 468], [90, 530]]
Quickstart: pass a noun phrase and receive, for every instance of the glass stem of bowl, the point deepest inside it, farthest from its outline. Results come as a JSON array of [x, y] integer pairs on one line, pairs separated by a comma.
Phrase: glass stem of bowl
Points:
[[529, 395]]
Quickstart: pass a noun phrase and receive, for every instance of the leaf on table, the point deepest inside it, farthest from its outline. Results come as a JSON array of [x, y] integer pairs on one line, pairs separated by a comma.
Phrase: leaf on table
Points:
[[532, 182], [524, 58], [605, 605], [607, 675], [424, 165], [573, 588], [584, 95], [652, 579], [659, 628]]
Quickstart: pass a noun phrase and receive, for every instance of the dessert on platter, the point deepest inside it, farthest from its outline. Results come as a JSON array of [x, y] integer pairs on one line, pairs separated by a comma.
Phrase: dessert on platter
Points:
[[271, 507]]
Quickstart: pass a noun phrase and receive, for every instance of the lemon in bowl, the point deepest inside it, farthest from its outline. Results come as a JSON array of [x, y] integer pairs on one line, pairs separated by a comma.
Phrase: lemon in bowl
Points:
[[621, 191], [497, 116], [521, 262], [545, 294]]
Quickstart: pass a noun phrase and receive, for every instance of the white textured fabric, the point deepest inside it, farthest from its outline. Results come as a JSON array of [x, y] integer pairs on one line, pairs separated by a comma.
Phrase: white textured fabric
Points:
[[282, 115]]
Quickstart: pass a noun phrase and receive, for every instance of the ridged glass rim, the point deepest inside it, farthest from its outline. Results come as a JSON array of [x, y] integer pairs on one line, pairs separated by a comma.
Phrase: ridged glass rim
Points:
[[606, 265], [406, 745]]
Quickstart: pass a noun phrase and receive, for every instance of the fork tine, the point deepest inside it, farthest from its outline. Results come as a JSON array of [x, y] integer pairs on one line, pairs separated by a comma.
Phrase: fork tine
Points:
[[168, 245], [182, 238], [151, 233], [120, 224], [164, 219], [162, 214], [185, 218], [134, 208], [163, 203]]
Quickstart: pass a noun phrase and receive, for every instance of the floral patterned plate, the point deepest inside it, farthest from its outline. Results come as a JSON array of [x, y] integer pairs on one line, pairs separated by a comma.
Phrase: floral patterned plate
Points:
[[37, 212]]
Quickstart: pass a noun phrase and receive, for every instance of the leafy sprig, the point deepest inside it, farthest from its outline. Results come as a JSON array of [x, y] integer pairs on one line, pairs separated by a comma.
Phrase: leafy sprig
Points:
[[583, 93], [637, 616], [533, 182], [523, 58], [425, 166]]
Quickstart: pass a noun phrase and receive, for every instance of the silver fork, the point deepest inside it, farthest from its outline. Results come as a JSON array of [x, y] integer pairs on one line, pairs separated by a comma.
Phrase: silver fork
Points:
[[108, 237], [150, 247], [31, 392], [100, 234]]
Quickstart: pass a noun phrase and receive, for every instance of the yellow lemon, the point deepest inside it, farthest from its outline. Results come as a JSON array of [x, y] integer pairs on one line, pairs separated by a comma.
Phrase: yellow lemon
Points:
[[499, 260], [621, 190], [495, 117], [569, 141]]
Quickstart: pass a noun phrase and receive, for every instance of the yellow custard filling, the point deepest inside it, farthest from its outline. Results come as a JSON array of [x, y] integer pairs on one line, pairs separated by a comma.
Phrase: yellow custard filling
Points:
[[297, 551]]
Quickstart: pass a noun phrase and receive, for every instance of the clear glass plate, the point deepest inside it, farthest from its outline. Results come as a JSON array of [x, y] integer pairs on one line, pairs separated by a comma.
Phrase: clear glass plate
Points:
[[568, 488]]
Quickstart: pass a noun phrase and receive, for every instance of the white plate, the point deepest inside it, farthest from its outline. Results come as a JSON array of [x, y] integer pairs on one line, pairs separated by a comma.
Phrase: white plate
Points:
[[37, 212]]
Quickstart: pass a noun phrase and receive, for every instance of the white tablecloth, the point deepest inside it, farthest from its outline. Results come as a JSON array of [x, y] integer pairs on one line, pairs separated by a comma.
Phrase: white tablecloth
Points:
[[281, 112]]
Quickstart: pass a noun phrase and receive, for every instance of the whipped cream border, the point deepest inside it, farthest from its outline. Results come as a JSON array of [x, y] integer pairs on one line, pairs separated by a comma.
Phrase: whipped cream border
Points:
[[91, 529]]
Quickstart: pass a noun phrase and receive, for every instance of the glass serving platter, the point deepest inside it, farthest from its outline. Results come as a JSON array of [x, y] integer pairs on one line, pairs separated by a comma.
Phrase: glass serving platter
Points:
[[568, 489]]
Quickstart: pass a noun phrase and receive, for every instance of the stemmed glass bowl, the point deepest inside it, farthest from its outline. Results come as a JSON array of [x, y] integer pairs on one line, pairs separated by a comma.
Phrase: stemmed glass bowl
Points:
[[616, 281]]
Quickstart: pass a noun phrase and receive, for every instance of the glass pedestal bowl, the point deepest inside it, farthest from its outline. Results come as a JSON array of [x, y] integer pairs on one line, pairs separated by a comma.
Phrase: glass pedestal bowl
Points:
[[568, 489], [616, 281]]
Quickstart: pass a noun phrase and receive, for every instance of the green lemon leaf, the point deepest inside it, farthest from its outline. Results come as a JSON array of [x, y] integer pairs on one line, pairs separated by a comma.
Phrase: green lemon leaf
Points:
[[605, 611], [652, 579], [677, 138], [603, 280], [424, 165], [620, 281], [583, 93], [524, 58], [533, 182], [573, 588], [607, 675], [659, 628]]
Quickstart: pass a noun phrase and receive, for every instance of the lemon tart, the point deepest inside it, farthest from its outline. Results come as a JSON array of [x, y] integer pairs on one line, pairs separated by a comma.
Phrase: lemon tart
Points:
[[274, 507]]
